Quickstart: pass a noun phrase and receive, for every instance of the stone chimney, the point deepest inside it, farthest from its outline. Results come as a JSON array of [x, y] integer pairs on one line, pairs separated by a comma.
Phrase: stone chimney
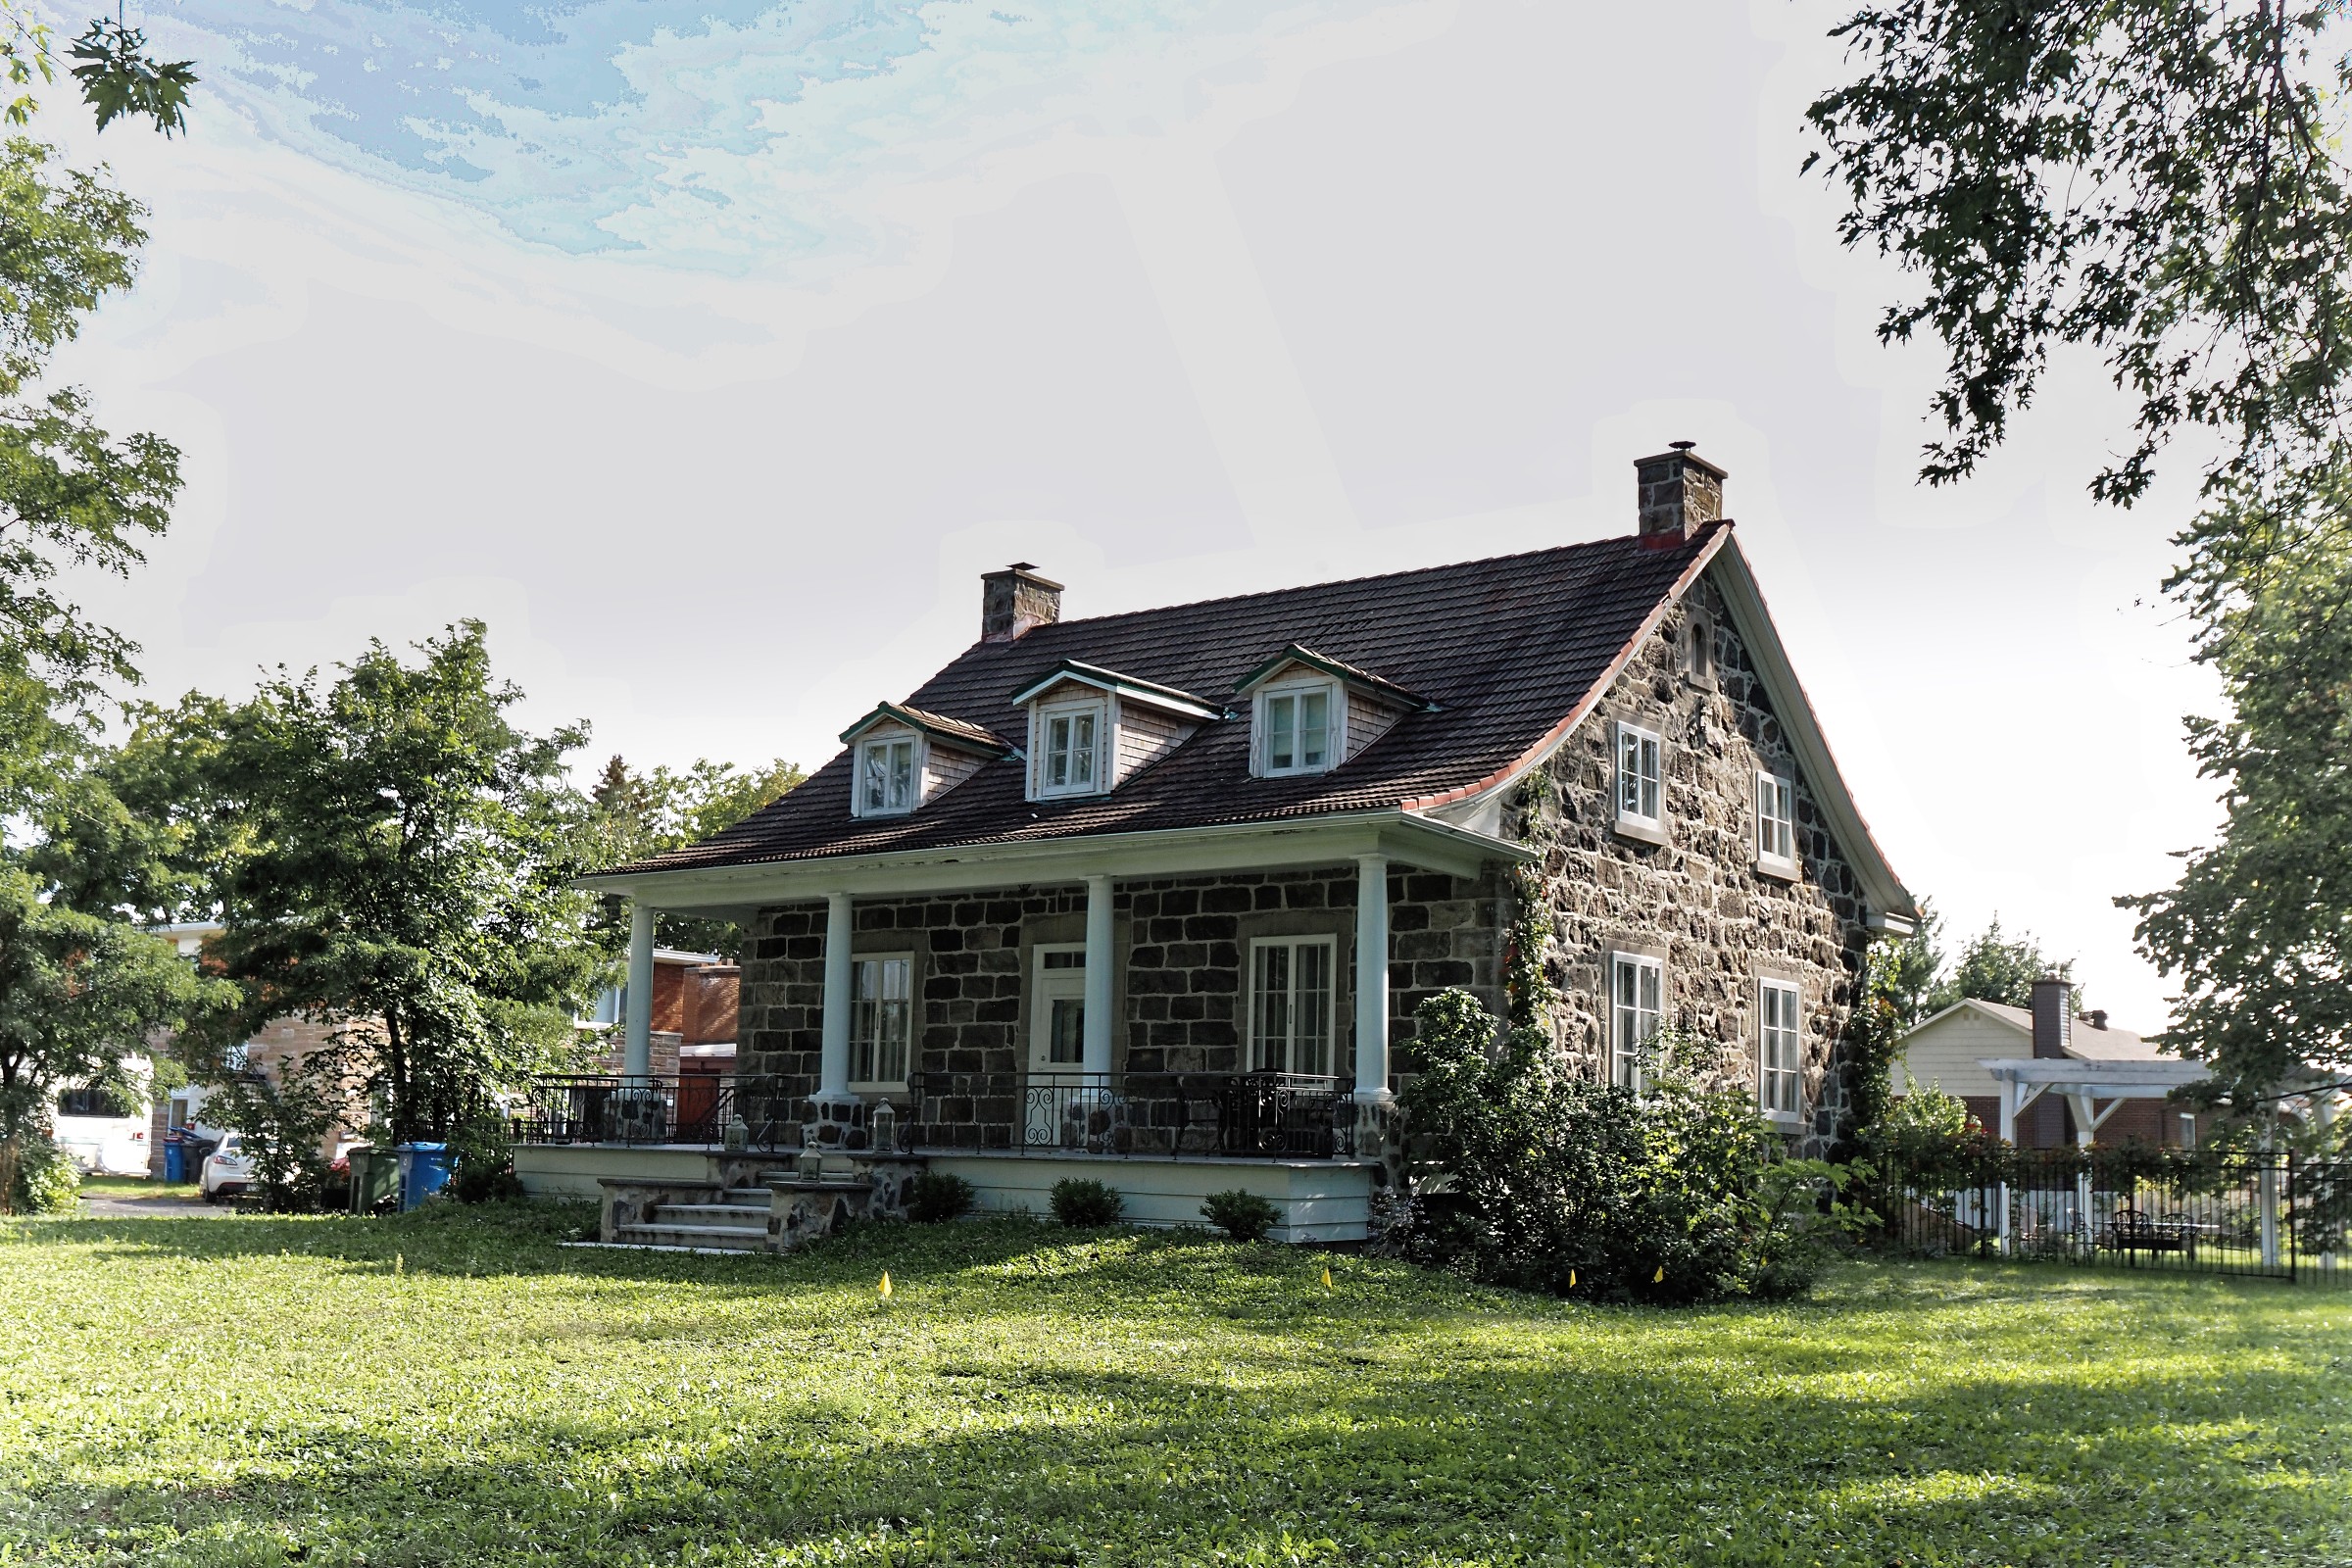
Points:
[[2053, 1015], [1015, 602], [1679, 492]]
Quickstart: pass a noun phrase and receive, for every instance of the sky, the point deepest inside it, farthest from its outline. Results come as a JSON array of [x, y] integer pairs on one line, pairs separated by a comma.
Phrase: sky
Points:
[[711, 352]]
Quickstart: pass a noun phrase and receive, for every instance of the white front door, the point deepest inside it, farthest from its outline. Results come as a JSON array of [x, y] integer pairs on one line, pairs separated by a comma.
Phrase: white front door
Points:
[[1056, 1037]]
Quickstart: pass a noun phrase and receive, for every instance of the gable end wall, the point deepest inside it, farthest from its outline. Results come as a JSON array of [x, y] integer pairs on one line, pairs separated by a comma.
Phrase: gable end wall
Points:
[[1698, 899]]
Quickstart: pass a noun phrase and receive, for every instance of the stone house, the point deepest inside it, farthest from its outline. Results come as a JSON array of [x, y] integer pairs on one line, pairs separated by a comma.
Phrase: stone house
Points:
[[1097, 898]]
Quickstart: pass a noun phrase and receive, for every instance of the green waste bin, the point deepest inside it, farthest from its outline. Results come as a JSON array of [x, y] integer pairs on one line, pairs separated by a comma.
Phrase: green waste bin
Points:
[[375, 1179]]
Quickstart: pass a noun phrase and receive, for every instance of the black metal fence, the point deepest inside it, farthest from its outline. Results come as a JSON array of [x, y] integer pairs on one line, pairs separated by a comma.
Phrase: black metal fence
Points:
[[678, 1108], [2265, 1216], [1271, 1116]]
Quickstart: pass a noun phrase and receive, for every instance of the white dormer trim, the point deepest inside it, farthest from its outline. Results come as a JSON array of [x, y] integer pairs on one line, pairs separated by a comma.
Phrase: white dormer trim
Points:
[[1112, 683], [888, 766]]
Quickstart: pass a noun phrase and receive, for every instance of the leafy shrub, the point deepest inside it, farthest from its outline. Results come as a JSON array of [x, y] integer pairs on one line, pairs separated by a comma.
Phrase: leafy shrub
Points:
[[1531, 1178], [934, 1198], [1241, 1214], [44, 1180], [483, 1161], [1084, 1204]]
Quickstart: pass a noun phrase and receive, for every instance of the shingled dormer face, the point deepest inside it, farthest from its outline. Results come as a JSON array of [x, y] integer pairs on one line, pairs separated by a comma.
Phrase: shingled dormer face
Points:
[[1091, 729], [903, 760]]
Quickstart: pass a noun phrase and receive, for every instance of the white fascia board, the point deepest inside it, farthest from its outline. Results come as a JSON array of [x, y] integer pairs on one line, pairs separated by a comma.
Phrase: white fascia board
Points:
[[1406, 838], [1892, 909], [1966, 1005], [1110, 681]]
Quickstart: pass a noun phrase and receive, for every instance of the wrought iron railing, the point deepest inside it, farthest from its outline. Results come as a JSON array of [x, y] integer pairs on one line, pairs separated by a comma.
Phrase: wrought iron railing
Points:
[[676, 1108], [2260, 1214], [1267, 1115]]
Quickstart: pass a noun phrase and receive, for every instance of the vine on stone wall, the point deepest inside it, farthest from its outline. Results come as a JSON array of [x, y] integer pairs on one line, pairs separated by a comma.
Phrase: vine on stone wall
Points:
[[1529, 994]]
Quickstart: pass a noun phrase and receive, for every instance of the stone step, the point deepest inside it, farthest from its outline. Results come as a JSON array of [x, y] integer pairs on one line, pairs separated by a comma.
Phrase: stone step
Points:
[[744, 1197], [655, 1246], [716, 1238], [714, 1214]]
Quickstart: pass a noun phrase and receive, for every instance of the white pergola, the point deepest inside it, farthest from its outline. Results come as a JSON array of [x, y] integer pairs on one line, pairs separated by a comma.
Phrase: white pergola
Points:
[[2082, 1085]]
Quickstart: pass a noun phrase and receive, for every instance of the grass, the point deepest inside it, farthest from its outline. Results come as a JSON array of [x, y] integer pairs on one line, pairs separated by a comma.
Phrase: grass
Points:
[[455, 1389], [135, 1187]]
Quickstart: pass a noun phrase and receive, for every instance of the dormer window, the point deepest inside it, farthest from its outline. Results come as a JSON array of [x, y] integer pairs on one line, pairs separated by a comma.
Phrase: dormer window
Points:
[[886, 776], [1297, 726], [1068, 738], [1090, 728], [1309, 713], [903, 759]]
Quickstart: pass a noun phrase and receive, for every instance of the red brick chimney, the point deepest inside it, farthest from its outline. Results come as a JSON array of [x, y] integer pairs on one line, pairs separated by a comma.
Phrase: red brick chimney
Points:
[[2053, 1015], [1015, 602], [1679, 492]]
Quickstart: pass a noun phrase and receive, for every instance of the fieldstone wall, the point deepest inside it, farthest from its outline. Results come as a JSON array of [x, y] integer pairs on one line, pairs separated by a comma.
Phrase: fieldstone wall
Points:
[[1177, 990], [1697, 901]]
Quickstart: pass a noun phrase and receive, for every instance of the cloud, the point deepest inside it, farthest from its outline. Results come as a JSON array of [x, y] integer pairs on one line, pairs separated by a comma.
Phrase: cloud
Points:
[[747, 139]]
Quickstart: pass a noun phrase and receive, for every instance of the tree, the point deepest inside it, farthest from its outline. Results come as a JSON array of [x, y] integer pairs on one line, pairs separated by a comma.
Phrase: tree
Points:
[[2157, 181], [401, 870], [80, 997], [1993, 967], [635, 815], [2259, 926]]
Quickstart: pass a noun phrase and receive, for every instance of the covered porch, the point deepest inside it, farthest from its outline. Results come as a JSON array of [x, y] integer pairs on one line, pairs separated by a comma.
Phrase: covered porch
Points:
[[1038, 1021]]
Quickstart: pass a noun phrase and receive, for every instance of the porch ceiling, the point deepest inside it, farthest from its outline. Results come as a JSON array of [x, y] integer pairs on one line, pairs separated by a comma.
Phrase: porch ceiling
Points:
[[1404, 838]]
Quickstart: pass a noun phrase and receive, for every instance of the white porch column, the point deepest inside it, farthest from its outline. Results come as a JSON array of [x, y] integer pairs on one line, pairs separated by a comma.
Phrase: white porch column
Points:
[[1100, 963], [1372, 977], [2265, 1197], [2087, 1128], [637, 1029], [2009, 1138], [833, 1059]]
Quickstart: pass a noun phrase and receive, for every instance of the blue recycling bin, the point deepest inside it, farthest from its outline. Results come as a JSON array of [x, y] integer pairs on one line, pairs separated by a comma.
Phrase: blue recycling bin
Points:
[[423, 1171], [176, 1159]]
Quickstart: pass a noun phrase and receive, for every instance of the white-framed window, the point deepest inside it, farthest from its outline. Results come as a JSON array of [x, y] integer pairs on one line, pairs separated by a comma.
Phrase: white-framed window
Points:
[[1636, 1012], [1291, 1006], [1776, 822], [1070, 749], [1298, 728], [881, 1019], [889, 776], [1640, 790], [1780, 1048]]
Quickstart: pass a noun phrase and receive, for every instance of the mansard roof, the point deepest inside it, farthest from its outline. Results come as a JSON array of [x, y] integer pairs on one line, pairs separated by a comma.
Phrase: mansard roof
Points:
[[1506, 656]]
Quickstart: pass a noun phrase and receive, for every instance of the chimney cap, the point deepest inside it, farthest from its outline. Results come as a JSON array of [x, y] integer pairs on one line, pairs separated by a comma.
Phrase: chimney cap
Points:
[[1681, 452]]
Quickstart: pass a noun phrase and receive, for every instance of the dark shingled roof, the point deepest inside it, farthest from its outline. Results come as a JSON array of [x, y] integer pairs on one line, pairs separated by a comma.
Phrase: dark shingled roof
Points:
[[1506, 648]]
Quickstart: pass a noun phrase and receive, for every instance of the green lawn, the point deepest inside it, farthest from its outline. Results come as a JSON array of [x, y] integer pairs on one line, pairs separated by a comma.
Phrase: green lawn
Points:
[[136, 1187], [458, 1389]]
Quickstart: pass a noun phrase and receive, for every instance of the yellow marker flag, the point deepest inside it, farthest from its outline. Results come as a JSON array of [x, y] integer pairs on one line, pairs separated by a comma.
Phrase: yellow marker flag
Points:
[[886, 1285], [1659, 1278], [1327, 1276], [1572, 1279]]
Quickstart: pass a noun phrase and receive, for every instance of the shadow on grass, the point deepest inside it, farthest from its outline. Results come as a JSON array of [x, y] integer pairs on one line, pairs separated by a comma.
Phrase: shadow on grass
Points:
[[1448, 1459]]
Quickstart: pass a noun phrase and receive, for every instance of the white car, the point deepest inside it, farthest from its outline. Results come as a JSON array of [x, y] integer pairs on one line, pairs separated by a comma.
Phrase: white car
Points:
[[226, 1172]]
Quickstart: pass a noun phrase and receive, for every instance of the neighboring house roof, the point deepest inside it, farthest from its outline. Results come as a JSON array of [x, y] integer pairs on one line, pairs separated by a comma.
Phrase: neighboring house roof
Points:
[[1509, 653], [2084, 1042]]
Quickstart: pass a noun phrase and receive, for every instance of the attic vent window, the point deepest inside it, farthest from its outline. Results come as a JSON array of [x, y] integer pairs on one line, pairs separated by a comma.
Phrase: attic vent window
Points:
[[1698, 649], [1298, 730]]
